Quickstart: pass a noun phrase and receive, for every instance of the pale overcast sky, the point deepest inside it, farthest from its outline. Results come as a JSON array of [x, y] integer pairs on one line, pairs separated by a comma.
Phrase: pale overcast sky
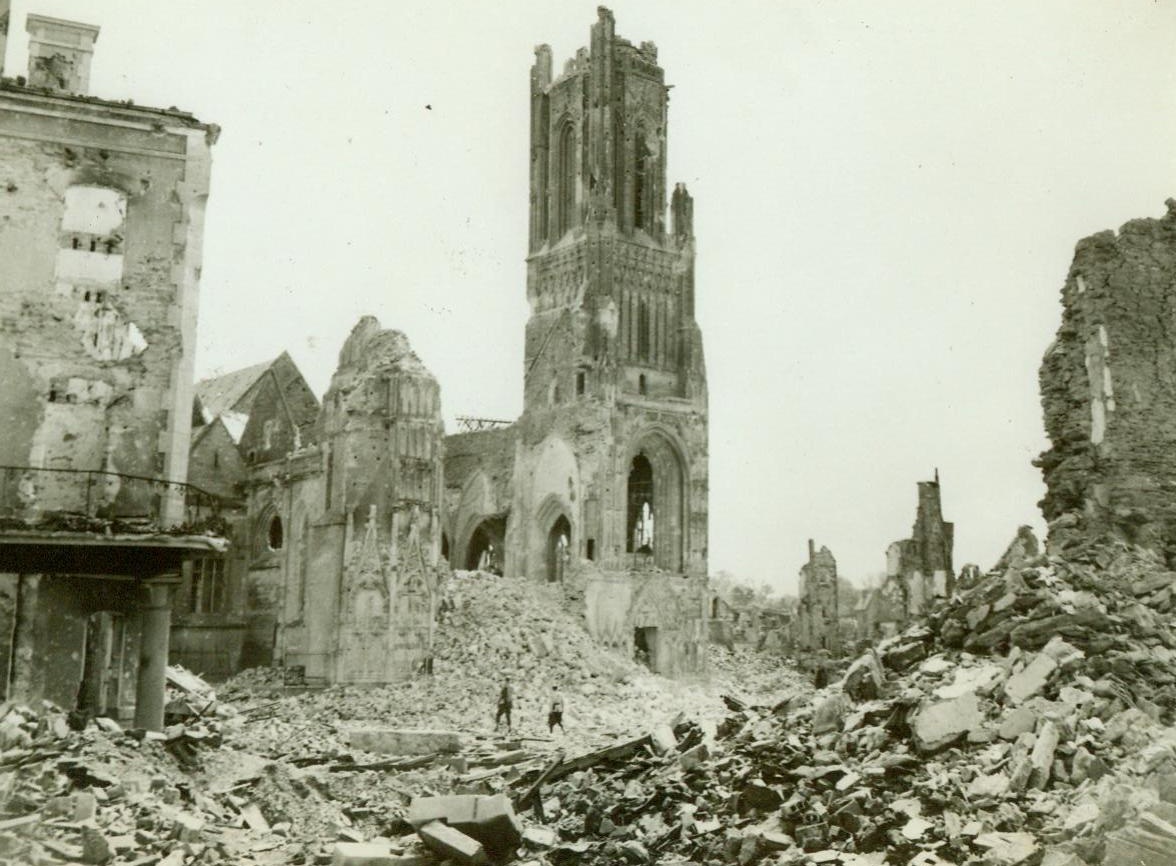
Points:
[[888, 195]]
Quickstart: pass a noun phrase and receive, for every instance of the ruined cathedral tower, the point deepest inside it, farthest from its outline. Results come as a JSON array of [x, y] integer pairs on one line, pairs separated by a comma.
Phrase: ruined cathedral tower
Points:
[[611, 475]]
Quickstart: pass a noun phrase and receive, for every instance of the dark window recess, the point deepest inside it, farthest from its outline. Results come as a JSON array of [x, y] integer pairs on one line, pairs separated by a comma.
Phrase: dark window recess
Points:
[[643, 331], [216, 460], [566, 188], [641, 387], [590, 549], [208, 592], [580, 382], [76, 243], [274, 535], [641, 192]]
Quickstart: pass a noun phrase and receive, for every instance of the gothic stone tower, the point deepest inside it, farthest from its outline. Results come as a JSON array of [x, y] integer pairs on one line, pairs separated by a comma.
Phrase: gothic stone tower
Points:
[[611, 469]]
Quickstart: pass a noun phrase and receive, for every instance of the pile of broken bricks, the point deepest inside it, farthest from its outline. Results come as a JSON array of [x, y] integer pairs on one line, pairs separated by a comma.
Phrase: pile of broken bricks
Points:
[[1048, 743]]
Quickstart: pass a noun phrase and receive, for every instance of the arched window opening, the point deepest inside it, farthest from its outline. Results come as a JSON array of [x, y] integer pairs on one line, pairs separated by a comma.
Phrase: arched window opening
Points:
[[581, 381], [642, 206], [715, 609], [643, 329], [566, 187], [303, 561], [641, 386], [274, 536], [445, 545], [484, 552], [639, 536], [559, 543]]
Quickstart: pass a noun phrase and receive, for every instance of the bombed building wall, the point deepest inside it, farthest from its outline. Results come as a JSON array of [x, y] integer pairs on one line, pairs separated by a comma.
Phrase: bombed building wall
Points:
[[818, 623], [1108, 391], [360, 560], [101, 219], [918, 569]]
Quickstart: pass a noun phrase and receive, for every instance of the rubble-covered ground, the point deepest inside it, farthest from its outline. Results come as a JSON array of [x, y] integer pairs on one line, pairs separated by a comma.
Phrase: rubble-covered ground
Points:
[[1028, 721], [268, 776]]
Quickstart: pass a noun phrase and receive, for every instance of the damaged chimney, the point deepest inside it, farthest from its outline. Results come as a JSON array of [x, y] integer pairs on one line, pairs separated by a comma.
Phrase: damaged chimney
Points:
[[59, 53]]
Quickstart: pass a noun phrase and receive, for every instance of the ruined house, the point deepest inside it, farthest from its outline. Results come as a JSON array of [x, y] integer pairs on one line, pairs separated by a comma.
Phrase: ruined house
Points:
[[601, 485], [240, 420], [101, 223], [918, 571], [818, 617], [1108, 395]]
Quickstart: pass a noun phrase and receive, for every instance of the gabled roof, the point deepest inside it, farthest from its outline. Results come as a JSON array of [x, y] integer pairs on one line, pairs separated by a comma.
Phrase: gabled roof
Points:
[[221, 394]]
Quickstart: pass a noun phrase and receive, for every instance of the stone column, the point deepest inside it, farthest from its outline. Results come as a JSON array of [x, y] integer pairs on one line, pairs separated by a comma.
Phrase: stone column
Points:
[[155, 608]]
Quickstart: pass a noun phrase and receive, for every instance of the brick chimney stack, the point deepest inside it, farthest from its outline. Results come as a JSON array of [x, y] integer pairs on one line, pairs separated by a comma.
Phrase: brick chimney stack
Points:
[[60, 53]]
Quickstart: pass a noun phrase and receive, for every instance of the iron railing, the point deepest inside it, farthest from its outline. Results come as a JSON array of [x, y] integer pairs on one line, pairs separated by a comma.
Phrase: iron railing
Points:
[[33, 496], [466, 424]]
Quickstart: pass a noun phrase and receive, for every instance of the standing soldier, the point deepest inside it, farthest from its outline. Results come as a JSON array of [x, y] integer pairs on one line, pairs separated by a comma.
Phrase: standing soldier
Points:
[[505, 704], [555, 716]]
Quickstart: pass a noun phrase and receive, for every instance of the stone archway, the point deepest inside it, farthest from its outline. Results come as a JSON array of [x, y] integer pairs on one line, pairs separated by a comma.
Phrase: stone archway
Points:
[[485, 548], [656, 494], [559, 545]]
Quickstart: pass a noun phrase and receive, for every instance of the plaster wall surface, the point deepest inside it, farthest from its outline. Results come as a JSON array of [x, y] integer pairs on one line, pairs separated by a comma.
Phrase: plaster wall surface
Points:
[[101, 215]]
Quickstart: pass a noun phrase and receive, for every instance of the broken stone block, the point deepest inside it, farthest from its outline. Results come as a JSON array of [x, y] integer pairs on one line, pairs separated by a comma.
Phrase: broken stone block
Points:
[[188, 828], [95, 847], [827, 717], [1135, 847], [456, 810], [865, 680], [495, 824], [1017, 722], [634, 851], [939, 724], [369, 854], [399, 741], [1081, 816], [1007, 849], [451, 844], [694, 758], [662, 739], [1042, 757], [1031, 679], [1087, 766], [990, 785], [1058, 857], [539, 838], [759, 796]]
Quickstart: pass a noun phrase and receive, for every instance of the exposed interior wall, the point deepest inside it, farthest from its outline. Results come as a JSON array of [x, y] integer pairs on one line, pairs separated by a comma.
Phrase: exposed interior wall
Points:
[[1108, 391], [99, 256]]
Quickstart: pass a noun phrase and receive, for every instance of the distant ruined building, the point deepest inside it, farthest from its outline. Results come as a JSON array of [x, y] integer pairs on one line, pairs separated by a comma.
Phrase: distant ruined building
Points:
[[600, 486], [919, 571], [1108, 391], [818, 615]]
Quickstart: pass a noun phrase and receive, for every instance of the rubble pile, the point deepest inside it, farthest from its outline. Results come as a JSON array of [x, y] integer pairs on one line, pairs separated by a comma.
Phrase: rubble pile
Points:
[[1023, 723], [490, 627]]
